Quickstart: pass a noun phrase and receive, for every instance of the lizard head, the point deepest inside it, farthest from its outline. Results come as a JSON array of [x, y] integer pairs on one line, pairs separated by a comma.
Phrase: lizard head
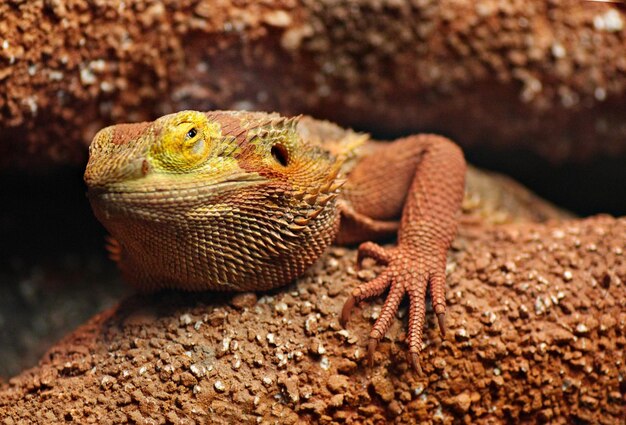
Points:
[[203, 183], [193, 156], [165, 154]]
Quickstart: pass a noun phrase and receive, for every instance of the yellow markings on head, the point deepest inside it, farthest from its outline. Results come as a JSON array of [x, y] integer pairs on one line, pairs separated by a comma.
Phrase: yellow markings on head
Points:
[[185, 141]]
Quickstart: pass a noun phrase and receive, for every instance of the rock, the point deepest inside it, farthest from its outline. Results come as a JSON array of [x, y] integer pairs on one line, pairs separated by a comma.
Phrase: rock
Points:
[[168, 368], [461, 403], [383, 387], [336, 400], [338, 383], [494, 74], [244, 300]]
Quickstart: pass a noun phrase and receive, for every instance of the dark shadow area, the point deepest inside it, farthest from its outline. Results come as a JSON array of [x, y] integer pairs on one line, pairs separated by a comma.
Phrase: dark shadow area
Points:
[[54, 273], [45, 213], [593, 187]]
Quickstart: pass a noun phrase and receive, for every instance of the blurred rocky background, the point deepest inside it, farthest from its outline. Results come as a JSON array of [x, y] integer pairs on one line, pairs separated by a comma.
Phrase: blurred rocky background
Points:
[[532, 88]]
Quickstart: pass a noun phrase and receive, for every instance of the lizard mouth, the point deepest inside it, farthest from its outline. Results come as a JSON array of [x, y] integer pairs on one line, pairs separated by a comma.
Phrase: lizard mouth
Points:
[[156, 193]]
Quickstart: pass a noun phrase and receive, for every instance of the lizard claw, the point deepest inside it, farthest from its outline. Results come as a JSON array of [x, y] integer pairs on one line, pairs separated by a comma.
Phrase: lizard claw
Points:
[[371, 349], [346, 311], [414, 360], [437, 294], [441, 318]]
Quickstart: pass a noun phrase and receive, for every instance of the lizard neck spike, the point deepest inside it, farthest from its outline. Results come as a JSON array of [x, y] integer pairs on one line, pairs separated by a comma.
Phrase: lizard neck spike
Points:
[[337, 185], [313, 214], [311, 199], [330, 184], [299, 194], [293, 122], [324, 199]]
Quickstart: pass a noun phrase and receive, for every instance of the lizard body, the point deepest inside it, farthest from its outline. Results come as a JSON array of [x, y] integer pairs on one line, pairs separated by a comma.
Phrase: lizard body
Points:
[[249, 200]]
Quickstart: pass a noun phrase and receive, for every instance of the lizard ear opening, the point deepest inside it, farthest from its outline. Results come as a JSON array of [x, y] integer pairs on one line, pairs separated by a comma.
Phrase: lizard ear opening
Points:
[[280, 154]]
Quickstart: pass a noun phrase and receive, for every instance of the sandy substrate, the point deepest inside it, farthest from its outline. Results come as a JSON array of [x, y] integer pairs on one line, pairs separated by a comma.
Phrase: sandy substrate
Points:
[[545, 76], [536, 333]]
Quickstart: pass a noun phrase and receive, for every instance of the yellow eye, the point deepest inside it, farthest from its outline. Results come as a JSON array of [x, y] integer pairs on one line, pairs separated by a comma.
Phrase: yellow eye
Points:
[[195, 147], [185, 143], [191, 133]]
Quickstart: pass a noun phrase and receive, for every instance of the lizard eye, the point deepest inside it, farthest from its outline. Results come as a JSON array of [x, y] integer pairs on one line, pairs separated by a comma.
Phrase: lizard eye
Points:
[[185, 141], [194, 147], [280, 154], [191, 133]]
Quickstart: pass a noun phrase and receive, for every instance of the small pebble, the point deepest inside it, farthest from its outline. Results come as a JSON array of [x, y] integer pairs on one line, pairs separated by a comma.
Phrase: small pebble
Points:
[[219, 386]]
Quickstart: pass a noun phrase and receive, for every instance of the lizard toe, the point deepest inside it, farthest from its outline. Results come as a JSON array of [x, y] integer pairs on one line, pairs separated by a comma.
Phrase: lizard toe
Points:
[[387, 313], [417, 315], [374, 251], [369, 289]]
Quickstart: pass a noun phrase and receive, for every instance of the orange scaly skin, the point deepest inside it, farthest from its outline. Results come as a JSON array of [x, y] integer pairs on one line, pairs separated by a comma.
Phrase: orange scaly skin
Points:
[[248, 200]]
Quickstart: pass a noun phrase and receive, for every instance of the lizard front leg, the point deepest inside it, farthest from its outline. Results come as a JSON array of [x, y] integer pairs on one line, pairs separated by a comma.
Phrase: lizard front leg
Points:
[[429, 182]]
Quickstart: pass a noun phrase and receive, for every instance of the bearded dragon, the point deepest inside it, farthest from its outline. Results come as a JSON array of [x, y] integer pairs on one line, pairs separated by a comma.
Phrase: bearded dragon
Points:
[[242, 201]]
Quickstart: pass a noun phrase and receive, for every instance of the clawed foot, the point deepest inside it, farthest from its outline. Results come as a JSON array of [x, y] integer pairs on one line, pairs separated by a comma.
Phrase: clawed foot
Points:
[[407, 271]]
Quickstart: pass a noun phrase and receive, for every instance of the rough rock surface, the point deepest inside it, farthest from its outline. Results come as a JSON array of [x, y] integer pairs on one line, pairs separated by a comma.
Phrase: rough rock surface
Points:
[[536, 332], [544, 75]]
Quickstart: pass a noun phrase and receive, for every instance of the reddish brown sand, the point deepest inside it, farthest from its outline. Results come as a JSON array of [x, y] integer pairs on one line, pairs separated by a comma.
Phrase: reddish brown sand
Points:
[[536, 333], [544, 75]]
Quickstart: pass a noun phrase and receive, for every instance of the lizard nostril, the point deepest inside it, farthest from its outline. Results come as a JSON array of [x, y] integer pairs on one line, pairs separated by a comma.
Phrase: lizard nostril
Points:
[[145, 167]]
